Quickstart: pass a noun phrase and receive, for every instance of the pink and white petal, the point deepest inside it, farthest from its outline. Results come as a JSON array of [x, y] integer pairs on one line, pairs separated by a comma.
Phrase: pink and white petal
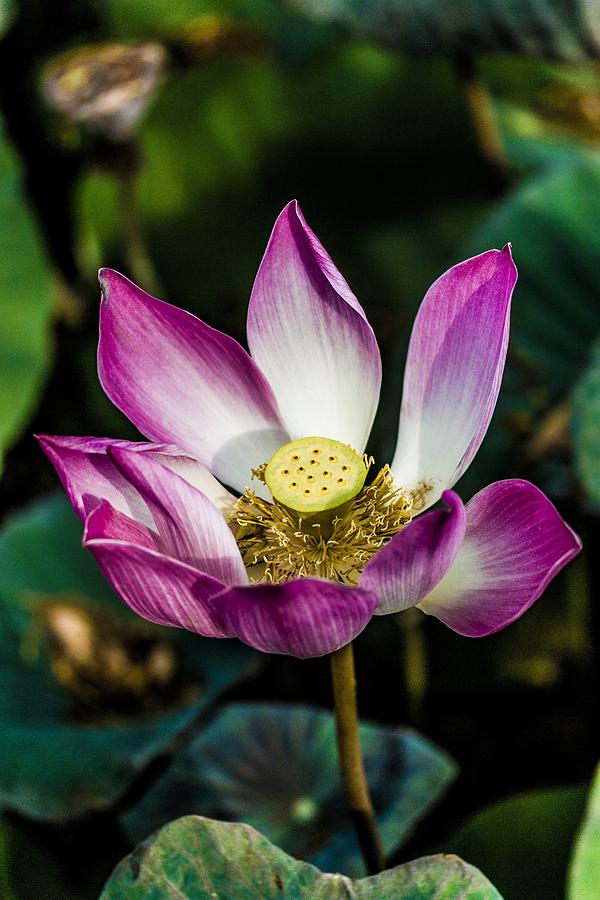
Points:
[[453, 371], [417, 558], [190, 526], [515, 543], [155, 586], [311, 338], [188, 468], [201, 478], [182, 382], [303, 618], [88, 474], [106, 522]]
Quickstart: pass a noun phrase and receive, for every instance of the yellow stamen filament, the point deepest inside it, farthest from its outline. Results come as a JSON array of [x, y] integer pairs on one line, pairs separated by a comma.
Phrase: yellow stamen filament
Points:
[[289, 546]]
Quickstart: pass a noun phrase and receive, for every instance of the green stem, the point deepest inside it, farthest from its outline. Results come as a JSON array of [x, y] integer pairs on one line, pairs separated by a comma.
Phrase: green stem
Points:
[[483, 117], [351, 760], [415, 662], [138, 258]]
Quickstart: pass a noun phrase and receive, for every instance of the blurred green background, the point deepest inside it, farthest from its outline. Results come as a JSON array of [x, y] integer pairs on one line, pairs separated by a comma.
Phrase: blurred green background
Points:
[[162, 138]]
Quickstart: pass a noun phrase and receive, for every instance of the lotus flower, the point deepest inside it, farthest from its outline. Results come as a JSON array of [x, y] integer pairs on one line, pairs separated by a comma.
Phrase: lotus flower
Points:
[[253, 513]]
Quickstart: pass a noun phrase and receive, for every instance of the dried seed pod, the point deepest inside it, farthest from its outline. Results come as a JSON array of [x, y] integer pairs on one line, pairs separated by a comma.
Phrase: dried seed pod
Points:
[[108, 663], [106, 86]]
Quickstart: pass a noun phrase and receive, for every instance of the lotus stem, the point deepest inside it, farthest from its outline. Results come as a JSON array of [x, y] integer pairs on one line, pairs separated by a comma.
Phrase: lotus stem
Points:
[[483, 117], [351, 759], [139, 259], [415, 662]]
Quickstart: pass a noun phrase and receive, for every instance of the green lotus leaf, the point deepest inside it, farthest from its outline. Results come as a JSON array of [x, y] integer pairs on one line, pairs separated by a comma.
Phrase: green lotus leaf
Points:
[[196, 859], [584, 873], [586, 426], [7, 12], [90, 693], [25, 302], [276, 768], [561, 29], [524, 842], [551, 221]]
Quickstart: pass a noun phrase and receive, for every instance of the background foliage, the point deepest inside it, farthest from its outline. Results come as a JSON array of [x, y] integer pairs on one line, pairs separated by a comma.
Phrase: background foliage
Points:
[[414, 135]]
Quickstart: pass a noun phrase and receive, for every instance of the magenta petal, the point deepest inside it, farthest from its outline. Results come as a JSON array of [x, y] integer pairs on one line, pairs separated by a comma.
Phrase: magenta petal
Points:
[[304, 618], [106, 522], [190, 526], [182, 382], [413, 562], [453, 371], [156, 587], [88, 473], [515, 543], [311, 338]]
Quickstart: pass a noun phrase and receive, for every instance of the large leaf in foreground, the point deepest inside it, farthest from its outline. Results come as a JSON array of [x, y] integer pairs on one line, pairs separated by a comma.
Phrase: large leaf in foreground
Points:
[[275, 767], [559, 29], [197, 859], [584, 874], [25, 302], [81, 708]]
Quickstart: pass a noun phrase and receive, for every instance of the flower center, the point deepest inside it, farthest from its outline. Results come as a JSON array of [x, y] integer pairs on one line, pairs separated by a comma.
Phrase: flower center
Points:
[[315, 474], [322, 521]]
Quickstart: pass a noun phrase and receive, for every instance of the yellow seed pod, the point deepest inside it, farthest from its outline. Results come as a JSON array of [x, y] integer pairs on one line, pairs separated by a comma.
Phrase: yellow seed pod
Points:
[[315, 474]]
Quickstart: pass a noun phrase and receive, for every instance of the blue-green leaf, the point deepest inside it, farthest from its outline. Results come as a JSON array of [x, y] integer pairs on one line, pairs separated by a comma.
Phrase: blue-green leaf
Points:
[[7, 12], [586, 427], [198, 859], [551, 221], [555, 29], [275, 767], [74, 735]]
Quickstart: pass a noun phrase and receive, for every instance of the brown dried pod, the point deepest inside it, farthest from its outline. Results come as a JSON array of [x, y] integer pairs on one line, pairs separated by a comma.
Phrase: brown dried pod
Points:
[[109, 663], [105, 86]]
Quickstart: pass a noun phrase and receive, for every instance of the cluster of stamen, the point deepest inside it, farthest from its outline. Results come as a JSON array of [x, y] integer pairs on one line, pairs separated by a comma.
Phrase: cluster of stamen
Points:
[[335, 543]]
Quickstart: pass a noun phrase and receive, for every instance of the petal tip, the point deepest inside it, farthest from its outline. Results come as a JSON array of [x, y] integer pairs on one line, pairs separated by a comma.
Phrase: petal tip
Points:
[[48, 442], [451, 498], [291, 215], [290, 208], [573, 542], [45, 442], [507, 256], [104, 276], [110, 278]]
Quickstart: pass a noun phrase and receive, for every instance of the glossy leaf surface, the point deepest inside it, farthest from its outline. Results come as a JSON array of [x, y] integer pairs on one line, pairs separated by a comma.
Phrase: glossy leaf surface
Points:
[[275, 767], [196, 859]]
